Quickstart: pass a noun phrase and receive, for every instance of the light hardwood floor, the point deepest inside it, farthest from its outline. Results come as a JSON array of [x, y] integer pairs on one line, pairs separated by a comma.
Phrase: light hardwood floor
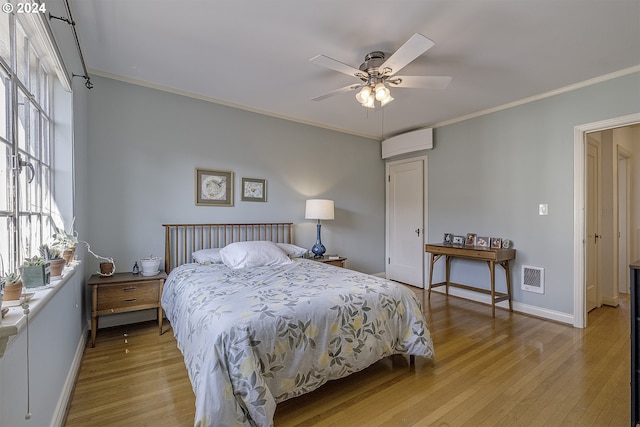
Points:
[[513, 370]]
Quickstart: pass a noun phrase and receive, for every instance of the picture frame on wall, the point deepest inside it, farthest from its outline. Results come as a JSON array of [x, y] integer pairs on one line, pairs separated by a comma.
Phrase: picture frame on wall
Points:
[[254, 190], [214, 187], [496, 242], [458, 240], [448, 238]]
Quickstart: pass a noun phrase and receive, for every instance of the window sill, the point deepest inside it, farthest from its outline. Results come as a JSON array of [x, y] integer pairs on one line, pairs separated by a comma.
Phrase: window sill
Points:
[[15, 320]]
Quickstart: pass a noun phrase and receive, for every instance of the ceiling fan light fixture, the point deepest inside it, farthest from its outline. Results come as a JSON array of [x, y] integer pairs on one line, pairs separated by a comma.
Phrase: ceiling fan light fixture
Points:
[[377, 74], [369, 102], [363, 94], [387, 100], [381, 91]]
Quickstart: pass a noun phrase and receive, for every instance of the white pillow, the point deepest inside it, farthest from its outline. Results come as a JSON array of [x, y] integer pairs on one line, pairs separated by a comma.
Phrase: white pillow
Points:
[[204, 256], [253, 254], [292, 250]]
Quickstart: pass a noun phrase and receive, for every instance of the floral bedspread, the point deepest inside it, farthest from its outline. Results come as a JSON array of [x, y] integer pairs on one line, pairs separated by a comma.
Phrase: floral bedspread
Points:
[[257, 336]]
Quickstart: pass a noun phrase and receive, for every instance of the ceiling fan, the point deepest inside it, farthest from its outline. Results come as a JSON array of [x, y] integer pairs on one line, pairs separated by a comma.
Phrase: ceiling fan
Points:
[[378, 73]]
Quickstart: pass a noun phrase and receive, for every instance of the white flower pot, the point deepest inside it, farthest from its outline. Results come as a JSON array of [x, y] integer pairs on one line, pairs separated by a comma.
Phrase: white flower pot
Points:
[[150, 266]]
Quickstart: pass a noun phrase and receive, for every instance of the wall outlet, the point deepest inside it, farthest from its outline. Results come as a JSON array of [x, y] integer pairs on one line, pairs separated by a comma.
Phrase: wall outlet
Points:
[[543, 209]]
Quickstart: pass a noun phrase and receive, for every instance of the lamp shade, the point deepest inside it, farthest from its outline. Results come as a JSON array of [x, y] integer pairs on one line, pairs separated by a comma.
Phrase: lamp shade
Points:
[[319, 209]]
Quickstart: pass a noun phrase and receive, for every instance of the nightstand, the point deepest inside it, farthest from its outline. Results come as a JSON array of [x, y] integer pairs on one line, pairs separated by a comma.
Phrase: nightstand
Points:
[[338, 261], [124, 292]]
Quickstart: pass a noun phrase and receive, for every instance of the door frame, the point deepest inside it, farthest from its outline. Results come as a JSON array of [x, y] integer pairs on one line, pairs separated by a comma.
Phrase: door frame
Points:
[[425, 199], [579, 225]]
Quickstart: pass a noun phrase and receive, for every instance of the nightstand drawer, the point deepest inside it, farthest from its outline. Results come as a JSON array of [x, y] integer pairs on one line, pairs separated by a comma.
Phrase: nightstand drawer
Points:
[[126, 295]]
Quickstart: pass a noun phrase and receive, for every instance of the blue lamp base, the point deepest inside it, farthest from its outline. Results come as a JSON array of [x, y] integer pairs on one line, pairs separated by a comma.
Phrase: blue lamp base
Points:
[[318, 249]]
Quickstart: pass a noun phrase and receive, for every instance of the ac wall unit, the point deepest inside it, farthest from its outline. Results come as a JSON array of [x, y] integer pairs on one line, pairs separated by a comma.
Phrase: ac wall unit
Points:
[[409, 142]]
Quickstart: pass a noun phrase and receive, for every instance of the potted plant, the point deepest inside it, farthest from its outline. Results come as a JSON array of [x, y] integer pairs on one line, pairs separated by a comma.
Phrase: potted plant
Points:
[[12, 286], [150, 265], [35, 271], [107, 266], [66, 242], [53, 256]]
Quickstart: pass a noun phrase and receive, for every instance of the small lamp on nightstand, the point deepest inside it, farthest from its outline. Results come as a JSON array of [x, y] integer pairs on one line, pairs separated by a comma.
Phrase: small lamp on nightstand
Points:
[[319, 209]]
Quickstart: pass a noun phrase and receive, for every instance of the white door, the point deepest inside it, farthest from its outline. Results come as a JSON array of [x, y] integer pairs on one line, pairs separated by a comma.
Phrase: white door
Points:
[[592, 198], [405, 222], [623, 231]]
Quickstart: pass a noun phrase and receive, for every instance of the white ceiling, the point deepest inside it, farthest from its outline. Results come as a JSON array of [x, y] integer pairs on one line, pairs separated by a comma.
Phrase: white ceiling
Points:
[[254, 54]]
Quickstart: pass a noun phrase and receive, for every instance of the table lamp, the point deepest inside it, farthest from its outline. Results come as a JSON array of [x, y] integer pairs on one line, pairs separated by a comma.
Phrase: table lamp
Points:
[[319, 209]]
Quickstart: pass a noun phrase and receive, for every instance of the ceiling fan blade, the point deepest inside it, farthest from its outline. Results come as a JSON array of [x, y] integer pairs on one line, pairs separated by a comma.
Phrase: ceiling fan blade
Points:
[[410, 50], [336, 92], [325, 61], [420, 82]]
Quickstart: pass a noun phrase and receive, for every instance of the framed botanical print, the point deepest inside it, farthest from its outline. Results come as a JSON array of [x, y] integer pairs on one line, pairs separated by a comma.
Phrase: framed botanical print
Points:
[[214, 187], [254, 190]]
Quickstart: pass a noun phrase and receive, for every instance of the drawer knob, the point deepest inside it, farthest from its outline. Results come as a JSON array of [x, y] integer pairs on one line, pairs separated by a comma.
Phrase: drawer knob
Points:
[[132, 288], [130, 300]]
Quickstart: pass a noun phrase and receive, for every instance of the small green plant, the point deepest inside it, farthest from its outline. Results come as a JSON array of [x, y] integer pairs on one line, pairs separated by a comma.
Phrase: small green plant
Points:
[[34, 261], [11, 278], [50, 253], [62, 239]]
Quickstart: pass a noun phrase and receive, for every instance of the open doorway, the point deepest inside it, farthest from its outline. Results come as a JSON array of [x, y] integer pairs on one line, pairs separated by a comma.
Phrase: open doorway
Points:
[[621, 132]]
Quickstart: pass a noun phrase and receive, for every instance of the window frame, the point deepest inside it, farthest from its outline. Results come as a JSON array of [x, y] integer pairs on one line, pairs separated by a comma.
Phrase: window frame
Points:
[[29, 147]]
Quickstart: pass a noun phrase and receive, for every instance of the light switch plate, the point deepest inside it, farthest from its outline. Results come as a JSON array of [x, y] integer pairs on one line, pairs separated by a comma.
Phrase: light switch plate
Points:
[[543, 209]]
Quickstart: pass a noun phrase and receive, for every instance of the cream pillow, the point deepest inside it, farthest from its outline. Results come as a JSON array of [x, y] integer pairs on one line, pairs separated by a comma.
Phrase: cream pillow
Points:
[[204, 256], [253, 254], [292, 250]]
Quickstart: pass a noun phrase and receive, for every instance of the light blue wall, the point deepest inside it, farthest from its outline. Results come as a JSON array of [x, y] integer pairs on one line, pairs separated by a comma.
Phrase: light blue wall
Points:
[[143, 146], [487, 175]]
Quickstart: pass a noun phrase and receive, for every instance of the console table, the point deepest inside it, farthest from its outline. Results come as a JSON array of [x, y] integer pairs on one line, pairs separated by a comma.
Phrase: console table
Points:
[[491, 256]]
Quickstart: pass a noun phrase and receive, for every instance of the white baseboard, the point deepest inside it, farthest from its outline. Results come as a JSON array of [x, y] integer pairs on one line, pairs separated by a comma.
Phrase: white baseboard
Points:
[[60, 411], [382, 275], [519, 307], [532, 310]]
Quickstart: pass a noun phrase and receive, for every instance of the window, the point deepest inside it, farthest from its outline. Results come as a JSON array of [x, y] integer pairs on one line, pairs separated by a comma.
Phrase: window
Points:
[[26, 143]]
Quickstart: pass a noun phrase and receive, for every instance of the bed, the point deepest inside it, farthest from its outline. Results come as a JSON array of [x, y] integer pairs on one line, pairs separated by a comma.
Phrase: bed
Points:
[[255, 332]]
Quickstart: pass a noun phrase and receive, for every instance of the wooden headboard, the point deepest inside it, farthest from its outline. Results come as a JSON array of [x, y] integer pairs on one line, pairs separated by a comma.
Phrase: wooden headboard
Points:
[[181, 240]]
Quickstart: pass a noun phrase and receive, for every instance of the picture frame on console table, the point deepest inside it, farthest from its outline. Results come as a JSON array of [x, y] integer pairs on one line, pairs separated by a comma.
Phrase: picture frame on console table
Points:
[[482, 242], [471, 239]]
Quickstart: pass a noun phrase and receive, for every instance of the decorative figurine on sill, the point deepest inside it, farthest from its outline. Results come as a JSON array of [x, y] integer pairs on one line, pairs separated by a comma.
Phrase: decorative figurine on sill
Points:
[[136, 269]]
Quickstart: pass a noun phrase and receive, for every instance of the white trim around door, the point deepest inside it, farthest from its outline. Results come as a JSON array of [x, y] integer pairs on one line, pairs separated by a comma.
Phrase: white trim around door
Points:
[[579, 132]]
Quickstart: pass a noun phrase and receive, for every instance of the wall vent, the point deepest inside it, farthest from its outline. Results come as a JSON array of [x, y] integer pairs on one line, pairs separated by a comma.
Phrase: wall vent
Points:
[[532, 279]]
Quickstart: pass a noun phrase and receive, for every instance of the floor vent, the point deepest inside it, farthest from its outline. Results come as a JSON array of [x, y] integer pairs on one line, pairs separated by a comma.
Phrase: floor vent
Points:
[[533, 279]]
